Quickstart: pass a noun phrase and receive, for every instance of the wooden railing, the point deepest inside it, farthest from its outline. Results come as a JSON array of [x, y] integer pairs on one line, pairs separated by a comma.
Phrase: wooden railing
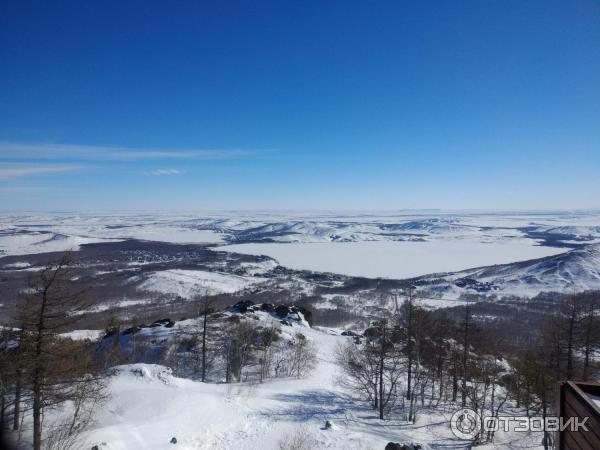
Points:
[[577, 401]]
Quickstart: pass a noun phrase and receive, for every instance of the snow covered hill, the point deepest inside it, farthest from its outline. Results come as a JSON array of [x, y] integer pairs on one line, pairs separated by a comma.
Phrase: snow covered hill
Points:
[[42, 242], [149, 406], [576, 270], [454, 252], [238, 227], [190, 283]]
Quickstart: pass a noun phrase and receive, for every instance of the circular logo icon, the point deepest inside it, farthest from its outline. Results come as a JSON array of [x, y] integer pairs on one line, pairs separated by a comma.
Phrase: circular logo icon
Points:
[[465, 423]]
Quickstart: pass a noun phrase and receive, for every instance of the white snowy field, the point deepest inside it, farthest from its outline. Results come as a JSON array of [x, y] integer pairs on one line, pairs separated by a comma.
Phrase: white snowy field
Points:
[[387, 245], [149, 406], [25, 244], [215, 227], [36, 242], [188, 283], [173, 234], [80, 335], [23, 234], [404, 259]]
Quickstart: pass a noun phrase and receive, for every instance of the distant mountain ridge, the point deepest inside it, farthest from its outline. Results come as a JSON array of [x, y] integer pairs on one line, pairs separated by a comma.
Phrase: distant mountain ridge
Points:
[[576, 270]]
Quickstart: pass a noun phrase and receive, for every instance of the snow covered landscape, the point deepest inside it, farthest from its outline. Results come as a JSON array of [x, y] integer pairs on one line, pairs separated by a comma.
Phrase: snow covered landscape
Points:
[[149, 406], [164, 264], [300, 225], [394, 246]]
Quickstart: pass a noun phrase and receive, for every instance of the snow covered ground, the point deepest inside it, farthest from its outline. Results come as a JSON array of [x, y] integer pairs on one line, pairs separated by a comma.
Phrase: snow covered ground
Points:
[[215, 227], [29, 243], [376, 245], [188, 283], [399, 260], [175, 235], [149, 406], [80, 335], [28, 234]]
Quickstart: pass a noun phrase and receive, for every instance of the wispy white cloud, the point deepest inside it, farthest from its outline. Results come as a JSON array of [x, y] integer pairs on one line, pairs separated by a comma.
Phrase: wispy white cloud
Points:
[[9, 172], [28, 151], [161, 172]]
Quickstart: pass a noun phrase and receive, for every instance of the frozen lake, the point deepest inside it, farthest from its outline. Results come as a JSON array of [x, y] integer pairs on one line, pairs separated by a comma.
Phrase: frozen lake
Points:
[[398, 260]]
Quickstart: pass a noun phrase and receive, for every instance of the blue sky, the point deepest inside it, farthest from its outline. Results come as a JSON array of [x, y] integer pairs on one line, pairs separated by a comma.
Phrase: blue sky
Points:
[[294, 104]]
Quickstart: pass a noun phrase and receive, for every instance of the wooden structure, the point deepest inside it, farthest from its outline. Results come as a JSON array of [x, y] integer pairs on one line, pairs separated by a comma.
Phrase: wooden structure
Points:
[[580, 400]]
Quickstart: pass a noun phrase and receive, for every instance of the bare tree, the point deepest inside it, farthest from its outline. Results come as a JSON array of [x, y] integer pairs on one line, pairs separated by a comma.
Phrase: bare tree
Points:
[[237, 347], [374, 368], [360, 369], [304, 356], [205, 309], [267, 337], [591, 333], [51, 367], [534, 366], [466, 335], [407, 323], [6, 375], [571, 310]]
